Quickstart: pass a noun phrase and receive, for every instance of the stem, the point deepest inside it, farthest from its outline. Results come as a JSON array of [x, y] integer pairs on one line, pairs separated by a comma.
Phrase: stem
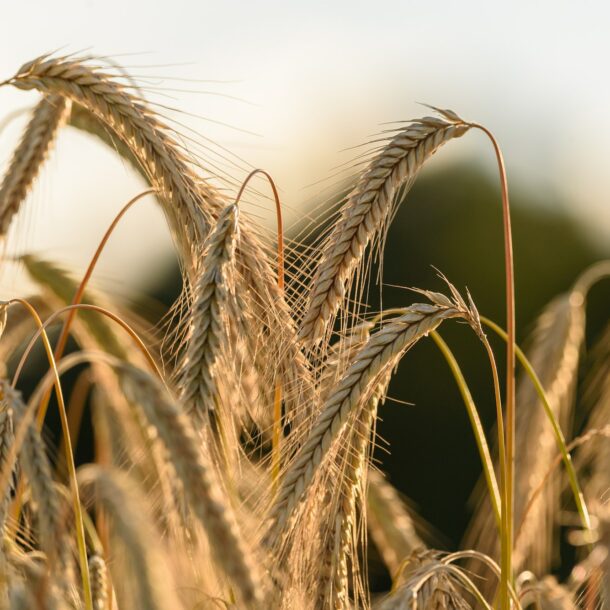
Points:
[[559, 437], [80, 291], [477, 428], [577, 442], [506, 563], [78, 516], [88, 307], [75, 410], [277, 397], [505, 546]]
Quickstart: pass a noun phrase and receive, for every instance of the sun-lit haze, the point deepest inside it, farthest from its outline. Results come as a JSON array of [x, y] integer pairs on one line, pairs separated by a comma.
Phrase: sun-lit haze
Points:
[[298, 82]]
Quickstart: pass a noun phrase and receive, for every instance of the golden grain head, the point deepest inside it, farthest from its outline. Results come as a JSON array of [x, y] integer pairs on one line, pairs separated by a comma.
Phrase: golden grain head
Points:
[[232, 461]]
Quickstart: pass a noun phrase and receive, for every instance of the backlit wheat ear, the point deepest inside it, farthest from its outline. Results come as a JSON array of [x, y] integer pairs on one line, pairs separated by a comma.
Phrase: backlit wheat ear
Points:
[[187, 200], [555, 356], [594, 457], [380, 354], [37, 469], [201, 488], [366, 213], [430, 585], [6, 440], [99, 582], [390, 525], [151, 586], [274, 329], [208, 331], [547, 594], [30, 154], [342, 548]]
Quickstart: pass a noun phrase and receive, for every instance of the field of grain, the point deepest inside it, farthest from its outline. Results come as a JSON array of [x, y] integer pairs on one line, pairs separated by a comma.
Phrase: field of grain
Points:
[[232, 455]]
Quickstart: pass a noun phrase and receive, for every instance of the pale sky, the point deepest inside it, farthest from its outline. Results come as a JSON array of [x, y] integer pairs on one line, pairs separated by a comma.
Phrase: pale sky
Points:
[[314, 78]]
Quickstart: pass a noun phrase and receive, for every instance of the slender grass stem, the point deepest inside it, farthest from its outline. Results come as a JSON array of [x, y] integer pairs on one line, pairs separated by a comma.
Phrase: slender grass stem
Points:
[[477, 428], [88, 307], [559, 437], [80, 291], [78, 515], [507, 538], [277, 395]]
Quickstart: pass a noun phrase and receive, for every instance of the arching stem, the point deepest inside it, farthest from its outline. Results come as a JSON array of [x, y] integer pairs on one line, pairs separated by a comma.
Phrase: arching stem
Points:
[[477, 427], [80, 291], [277, 396], [78, 516], [509, 479]]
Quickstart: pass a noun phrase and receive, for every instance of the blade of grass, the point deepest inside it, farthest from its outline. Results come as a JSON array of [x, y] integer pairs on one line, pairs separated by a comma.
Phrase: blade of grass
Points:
[[559, 437], [277, 397], [477, 428], [509, 479], [78, 515]]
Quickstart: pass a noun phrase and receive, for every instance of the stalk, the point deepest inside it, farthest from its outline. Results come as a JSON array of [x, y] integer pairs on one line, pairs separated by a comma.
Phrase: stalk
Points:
[[277, 396], [506, 553], [477, 428], [78, 515], [559, 437]]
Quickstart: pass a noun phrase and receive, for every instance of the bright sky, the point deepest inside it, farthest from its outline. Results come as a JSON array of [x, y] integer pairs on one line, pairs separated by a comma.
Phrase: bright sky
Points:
[[317, 77]]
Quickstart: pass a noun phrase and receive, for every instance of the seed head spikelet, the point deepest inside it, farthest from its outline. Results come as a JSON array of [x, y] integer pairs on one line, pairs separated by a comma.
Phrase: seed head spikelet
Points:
[[208, 332], [150, 585], [389, 522], [342, 548], [202, 489], [36, 467], [379, 354], [36, 142], [99, 582], [366, 211], [430, 585], [187, 201]]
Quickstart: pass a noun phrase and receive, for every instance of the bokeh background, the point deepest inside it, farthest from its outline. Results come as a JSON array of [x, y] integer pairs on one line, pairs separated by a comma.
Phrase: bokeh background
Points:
[[289, 87]]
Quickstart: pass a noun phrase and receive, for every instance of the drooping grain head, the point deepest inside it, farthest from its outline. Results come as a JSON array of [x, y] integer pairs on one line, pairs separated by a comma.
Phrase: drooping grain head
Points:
[[37, 140], [379, 355], [203, 491], [366, 213]]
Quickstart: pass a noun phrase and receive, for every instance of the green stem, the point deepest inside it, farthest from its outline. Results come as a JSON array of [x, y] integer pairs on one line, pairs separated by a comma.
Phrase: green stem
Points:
[[477, 428], [559, 438]]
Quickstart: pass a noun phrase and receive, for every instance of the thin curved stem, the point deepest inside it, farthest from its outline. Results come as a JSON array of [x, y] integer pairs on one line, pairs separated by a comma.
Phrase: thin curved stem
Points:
[[559, 437], [277, 396], [86, 306], [75, 410], [78, 516], [80, 291], [509, 479], [477, 428]]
